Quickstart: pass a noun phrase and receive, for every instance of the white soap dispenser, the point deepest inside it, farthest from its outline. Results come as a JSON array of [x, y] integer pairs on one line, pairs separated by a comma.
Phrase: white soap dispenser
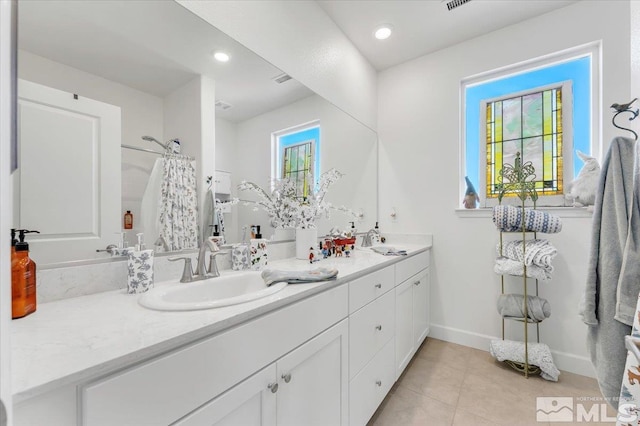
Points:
[[240, 256], [139, 268]]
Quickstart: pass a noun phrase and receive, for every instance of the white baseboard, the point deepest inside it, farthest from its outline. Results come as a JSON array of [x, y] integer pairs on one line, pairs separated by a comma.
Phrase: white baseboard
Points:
[[564, 361]]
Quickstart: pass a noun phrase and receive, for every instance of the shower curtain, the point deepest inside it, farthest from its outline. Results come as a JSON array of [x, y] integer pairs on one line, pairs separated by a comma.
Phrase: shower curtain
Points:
[[178, 203]]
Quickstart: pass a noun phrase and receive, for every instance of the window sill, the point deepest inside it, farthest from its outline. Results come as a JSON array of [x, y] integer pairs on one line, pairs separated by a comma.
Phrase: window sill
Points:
[[558, 211]]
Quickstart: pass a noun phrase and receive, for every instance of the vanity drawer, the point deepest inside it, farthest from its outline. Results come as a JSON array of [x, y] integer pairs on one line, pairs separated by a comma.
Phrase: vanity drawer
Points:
[[370, 329], [371, 385], [166, 388], [411, 266], [365, 289]]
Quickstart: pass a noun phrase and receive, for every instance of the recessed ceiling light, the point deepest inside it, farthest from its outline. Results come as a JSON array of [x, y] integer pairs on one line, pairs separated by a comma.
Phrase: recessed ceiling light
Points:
[[221, 57], [383, 32]]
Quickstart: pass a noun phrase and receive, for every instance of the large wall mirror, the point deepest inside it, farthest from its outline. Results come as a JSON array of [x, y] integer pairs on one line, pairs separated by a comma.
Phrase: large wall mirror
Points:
[[95, 76]]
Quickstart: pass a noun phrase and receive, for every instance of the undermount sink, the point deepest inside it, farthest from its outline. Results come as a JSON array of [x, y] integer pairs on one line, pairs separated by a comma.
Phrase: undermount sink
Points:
[[230, 289], [384, 249]]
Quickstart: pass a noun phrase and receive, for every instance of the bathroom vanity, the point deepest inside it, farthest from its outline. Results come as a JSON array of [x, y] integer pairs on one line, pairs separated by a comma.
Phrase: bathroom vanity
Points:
[[321, 353]]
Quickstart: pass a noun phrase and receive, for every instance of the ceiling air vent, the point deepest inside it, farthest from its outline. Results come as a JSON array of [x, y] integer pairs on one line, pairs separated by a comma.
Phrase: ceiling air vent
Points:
[[282, 78], [222, 105], [455, 3]]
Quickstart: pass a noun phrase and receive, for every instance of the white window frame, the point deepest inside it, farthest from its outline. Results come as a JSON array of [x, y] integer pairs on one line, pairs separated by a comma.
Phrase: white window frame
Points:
[[593, 50], [558, 200]]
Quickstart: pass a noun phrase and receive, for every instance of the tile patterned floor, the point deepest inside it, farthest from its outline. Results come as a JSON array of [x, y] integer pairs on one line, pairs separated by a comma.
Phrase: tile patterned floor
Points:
[[449, 384]]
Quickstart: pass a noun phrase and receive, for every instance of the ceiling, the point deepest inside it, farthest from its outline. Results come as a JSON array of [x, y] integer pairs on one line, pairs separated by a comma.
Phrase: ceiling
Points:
[[153, 46], [158, 46], [425, 26]]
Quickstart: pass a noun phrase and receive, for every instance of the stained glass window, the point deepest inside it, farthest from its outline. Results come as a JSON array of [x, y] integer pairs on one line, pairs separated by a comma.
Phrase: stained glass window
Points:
[[297, 162], [296, 156], [531, 124]]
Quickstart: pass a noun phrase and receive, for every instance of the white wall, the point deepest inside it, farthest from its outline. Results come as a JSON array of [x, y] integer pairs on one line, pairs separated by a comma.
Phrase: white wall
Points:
[[345, 144], [142, 114], [189, 117], [7, 64], [299, 38], [226, 157], [634, 18], [419, 130], [226, 151]]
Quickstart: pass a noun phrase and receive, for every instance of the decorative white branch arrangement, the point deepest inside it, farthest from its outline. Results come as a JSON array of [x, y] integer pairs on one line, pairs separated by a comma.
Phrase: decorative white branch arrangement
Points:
[[287, 210]]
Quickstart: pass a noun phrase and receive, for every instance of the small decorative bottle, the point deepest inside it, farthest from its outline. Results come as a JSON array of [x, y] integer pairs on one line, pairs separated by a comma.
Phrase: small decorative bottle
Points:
[[258, 249], [23, 278], [128, 220]]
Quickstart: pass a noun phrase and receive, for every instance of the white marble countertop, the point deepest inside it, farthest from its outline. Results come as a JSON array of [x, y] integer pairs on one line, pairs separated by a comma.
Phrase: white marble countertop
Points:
[[72, 340]]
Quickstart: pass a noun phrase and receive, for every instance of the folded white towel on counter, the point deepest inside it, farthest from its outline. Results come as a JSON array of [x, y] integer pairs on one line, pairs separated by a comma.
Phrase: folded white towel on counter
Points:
[[537, 252], [506, 266], [539, 355], [271, 276], [512, 305]]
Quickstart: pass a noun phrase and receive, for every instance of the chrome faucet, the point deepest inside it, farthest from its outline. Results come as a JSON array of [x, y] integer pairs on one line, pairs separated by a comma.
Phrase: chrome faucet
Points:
[[367, 238], [202, 273]]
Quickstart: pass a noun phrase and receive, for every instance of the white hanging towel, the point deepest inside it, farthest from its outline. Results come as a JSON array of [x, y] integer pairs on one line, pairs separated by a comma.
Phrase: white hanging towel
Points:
[[150, 208]]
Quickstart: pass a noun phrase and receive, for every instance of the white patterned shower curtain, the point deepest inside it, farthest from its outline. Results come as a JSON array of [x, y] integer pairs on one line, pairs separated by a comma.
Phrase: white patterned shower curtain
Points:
[[178, 203]]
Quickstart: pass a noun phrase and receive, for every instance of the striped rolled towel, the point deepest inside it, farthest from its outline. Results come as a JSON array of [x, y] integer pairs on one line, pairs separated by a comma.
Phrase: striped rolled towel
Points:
[[536, 252], [510, 218]]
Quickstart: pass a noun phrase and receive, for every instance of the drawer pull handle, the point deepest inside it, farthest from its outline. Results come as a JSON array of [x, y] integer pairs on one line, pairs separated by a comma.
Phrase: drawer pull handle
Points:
[[287, 377], [378, 327], [378, 382], [416, 283], [273, 387], [378, 285]]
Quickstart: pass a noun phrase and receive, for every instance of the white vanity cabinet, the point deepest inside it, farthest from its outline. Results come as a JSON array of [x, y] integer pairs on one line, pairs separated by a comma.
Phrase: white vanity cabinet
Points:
[[167, 388], [327, 359], [412, 308], [306, 387]]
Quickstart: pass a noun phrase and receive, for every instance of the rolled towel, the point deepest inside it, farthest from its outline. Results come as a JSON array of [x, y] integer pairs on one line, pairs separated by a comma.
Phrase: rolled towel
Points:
[[539, 355], [504, 265], [510, 218], [537, 252], [512, 305]]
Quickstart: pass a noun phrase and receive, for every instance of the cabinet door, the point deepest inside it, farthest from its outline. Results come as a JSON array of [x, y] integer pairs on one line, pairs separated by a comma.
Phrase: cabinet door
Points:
[[250, 403], [222, 182], [313, 387], [420, 307], [404, 326]]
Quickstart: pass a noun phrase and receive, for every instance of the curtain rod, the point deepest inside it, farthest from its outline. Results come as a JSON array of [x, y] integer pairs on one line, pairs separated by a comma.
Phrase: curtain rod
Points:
[[141, 149], [166, 154]]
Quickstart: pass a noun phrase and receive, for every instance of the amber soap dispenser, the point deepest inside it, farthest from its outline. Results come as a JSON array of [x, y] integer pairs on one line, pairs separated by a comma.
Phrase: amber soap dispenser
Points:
[[23, 277]]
